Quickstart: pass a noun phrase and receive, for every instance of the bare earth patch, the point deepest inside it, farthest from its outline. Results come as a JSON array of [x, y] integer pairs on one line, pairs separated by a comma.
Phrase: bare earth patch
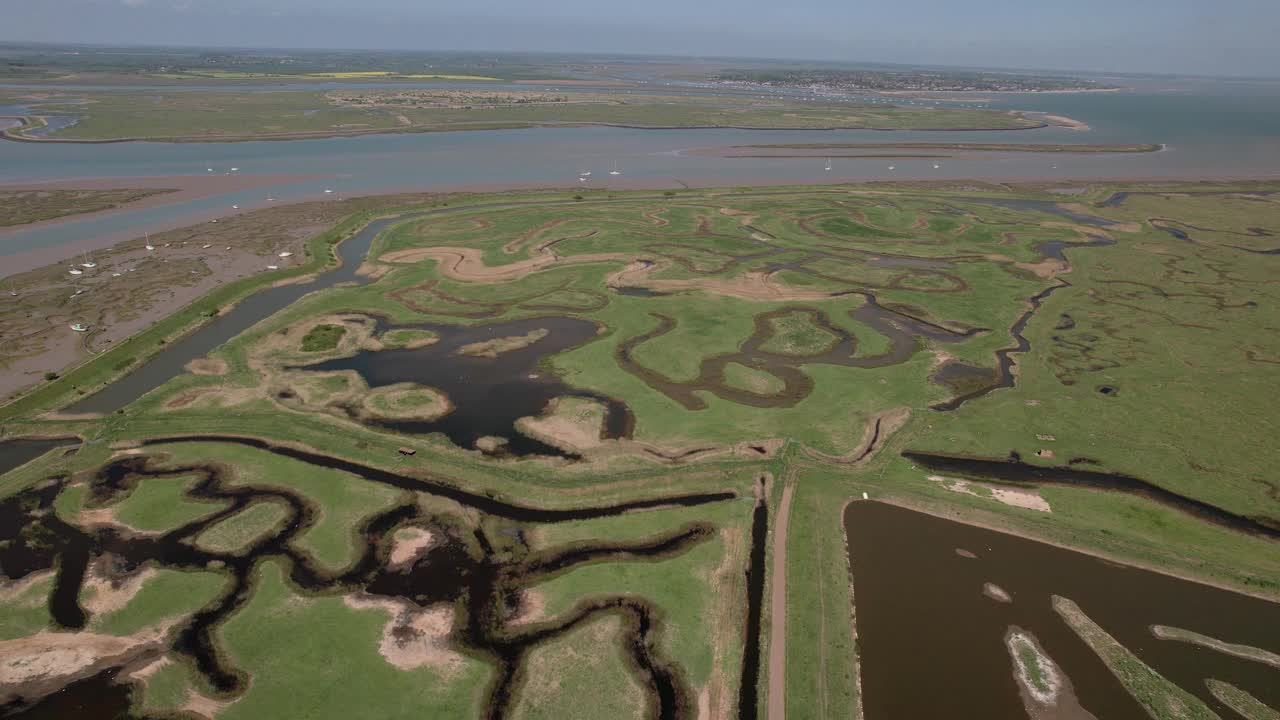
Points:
[[491, 443], [1067, 122], [533, 609], [407, 545], [414, 637], [467, 264], [12, 590], [37, 665], [150, 668], [1015, 497], [754, 286], [207, 366], [107, 593], [997, 593]]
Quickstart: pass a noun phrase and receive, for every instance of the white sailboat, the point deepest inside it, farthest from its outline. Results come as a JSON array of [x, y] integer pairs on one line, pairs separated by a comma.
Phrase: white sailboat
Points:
[[80, 327], [615, 170], [828, 168], [87, 263], [76, 271]]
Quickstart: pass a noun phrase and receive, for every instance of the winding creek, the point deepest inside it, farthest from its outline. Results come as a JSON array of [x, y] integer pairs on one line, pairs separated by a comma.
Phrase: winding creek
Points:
[[956, 656], [478, 570]]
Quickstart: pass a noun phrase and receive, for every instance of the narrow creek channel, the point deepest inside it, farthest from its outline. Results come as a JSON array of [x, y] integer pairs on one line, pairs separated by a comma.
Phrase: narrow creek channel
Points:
[[474, 568]]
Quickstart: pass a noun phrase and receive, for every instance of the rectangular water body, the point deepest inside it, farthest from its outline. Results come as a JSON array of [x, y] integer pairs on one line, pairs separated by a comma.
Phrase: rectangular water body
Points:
[[932, 643]]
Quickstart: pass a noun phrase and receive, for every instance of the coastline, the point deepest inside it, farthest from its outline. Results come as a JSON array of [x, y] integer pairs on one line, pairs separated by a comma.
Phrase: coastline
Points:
[[29, 260], [184, 187], [12, 134]]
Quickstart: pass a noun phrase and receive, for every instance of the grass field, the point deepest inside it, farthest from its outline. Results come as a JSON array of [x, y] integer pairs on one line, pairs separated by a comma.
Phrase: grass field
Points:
[[759, 339], [224, 115]]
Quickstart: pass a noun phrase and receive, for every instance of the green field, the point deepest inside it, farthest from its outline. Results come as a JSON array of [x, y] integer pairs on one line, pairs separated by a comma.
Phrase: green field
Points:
[[760, 340], [203, 115]]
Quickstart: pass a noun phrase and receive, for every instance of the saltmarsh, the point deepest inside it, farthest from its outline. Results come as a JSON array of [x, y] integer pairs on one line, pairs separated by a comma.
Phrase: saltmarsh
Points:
[[926, 277]]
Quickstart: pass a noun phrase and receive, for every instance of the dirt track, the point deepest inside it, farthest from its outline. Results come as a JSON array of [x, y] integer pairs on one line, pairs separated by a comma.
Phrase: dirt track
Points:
[[778, 611]]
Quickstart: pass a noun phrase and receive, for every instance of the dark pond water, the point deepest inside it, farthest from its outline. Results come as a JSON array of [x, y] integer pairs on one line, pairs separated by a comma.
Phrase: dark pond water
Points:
[[171, 362], [488, 394], [932, 644], [16, 453]]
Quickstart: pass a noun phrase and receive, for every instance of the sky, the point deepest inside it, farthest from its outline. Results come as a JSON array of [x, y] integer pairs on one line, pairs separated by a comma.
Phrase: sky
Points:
[[1221, 37]]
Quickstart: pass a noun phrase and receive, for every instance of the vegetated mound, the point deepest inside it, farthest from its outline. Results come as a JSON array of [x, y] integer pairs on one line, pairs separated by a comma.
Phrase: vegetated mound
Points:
[[322, 337], [406, 401], [495, 347]]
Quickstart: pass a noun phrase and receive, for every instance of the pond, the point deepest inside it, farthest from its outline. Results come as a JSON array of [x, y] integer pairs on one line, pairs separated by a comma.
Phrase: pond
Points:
[[932, 645]]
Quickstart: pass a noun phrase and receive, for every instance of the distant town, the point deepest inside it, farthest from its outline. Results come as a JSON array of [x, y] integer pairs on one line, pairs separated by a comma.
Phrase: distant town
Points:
[[837, 81]]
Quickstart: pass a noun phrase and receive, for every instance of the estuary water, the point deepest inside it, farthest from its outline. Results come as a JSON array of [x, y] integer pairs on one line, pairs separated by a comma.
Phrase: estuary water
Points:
[[1210, 129]]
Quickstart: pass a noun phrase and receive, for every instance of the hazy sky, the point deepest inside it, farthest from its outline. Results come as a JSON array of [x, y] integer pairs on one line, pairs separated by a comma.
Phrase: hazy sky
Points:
[[1176, 36]]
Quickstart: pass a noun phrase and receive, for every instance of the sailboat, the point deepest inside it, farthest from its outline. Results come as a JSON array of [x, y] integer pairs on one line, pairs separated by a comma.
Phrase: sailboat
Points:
[[87, 262], [76, 271], [149, 246], [615, 170], [828, 165], [80, 327]]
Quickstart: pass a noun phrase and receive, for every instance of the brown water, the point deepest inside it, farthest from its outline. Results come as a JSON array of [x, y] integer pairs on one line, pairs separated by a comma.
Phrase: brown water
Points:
[[932, 645]]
